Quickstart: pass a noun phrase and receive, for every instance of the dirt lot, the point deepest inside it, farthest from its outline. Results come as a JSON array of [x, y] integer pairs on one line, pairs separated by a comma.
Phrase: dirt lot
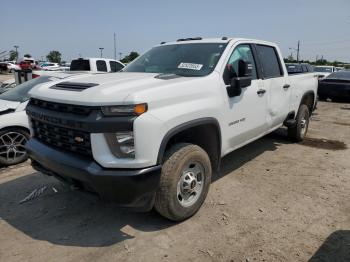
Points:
[[272, 201], [4, 77]]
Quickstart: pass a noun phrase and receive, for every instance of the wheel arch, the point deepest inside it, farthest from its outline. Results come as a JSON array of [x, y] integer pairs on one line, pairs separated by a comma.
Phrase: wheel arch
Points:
[[309, 99], [204, 132], [26, 129]]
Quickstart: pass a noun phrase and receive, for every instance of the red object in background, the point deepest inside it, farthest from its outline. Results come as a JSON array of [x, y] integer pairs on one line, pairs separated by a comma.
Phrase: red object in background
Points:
[[25, 65], [35, 76]]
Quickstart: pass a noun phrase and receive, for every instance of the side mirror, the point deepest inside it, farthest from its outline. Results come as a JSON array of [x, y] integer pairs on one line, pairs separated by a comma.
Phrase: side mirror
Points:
[[244, 68], [237, 83], [243, 80]]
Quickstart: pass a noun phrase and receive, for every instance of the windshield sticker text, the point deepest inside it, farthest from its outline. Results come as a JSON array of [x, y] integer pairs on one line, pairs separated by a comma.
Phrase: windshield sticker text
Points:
[[190, 66]]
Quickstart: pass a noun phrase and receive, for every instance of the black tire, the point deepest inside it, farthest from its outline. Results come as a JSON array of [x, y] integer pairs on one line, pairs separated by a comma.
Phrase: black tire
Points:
[[297, 132], [13, 158], [177, 159]]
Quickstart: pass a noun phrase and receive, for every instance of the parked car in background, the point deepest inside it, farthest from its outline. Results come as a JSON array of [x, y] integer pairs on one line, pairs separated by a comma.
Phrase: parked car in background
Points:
[[9, 66], [299, 68], [14, 127], [324, 71], [96, 65], [50, 66], [65, 66], [339, 68], [3, 67], [153, 134], [335, 86], [12, 66]]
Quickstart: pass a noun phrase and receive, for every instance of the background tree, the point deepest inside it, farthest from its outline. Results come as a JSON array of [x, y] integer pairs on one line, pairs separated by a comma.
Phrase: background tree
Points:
[[13, 55], [28, 55], [54, 56], [130, 57]]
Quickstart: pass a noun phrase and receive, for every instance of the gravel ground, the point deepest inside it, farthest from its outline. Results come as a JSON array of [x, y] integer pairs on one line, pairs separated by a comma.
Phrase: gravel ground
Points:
[[272, 201], [4, 77]]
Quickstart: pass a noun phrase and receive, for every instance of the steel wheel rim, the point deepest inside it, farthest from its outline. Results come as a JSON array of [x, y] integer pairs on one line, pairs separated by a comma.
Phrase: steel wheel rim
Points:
[[190, 185], [12, 146]]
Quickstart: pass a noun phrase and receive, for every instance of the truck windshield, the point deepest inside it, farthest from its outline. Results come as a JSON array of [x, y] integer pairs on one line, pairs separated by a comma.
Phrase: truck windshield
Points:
[[20, 92], [197, 59]]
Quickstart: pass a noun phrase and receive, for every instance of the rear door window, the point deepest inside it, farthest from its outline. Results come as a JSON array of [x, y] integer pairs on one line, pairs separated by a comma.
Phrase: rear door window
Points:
[[115, 66], [271, 65], [80, 65], [101, 66]]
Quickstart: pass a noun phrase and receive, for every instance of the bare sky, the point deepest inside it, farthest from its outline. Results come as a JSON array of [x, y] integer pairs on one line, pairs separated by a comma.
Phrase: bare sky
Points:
[[80, 27]]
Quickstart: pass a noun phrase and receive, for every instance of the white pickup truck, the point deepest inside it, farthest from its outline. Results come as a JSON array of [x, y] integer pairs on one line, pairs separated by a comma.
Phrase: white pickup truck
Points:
[[153, 134], [96, 65]]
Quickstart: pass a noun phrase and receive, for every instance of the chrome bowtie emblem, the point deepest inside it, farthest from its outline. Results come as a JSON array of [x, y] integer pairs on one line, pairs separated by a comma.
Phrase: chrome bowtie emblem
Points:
[[78, 139]]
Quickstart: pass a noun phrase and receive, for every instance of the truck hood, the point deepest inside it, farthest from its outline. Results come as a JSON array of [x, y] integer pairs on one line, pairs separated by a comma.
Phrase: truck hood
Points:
[[6, 105], [109, 89]]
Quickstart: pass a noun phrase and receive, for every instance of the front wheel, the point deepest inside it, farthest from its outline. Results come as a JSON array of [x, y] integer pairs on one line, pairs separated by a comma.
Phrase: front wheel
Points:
[[184, 182], [12, 146], [297, 132]]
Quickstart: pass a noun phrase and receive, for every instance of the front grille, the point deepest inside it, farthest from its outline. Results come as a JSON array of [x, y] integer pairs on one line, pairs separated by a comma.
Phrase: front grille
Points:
[[63, 138], [63, 108]]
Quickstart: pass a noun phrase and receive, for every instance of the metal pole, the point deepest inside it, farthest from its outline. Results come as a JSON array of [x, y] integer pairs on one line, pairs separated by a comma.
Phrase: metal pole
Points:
[[16, 47], [115, 48], [101, 49], [298, 51]]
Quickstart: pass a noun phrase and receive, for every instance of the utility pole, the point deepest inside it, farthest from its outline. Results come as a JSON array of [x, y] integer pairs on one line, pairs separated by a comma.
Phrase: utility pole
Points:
[[101, 50], [115, 48], [120, 55], [298, 50], [16, 47]]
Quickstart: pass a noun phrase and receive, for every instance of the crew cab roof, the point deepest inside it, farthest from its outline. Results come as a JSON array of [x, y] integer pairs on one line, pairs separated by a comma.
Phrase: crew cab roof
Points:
[[216, 40]]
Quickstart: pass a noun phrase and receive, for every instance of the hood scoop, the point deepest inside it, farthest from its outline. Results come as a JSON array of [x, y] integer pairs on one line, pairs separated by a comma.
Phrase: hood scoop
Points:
[[73, 86], [167, 76]]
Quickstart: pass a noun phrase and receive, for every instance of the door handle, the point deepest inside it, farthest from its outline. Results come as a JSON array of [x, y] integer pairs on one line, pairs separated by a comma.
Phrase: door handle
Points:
[[286, 86], [261, 91]]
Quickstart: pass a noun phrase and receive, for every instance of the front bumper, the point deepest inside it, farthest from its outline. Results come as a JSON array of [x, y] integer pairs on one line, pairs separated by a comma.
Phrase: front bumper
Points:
[[126, 187]]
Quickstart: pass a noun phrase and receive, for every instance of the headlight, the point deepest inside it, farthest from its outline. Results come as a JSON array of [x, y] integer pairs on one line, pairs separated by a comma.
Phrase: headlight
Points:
[[123, 110], [121, 144]]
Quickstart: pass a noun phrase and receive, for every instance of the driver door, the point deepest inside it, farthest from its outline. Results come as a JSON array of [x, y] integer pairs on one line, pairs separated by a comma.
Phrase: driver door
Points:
[[245, 113]]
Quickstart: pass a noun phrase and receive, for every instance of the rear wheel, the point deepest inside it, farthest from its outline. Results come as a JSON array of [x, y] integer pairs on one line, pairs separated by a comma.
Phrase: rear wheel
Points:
[[184, 183], [298, 131], [12, 150]]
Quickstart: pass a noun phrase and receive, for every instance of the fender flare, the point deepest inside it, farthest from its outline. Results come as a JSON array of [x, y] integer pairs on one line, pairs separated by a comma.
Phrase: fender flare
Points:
[[187, 125], [307, 93]]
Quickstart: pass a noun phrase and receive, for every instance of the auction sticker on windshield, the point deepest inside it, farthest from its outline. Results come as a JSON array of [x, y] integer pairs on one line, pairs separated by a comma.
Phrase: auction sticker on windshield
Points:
[[190, 66]]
